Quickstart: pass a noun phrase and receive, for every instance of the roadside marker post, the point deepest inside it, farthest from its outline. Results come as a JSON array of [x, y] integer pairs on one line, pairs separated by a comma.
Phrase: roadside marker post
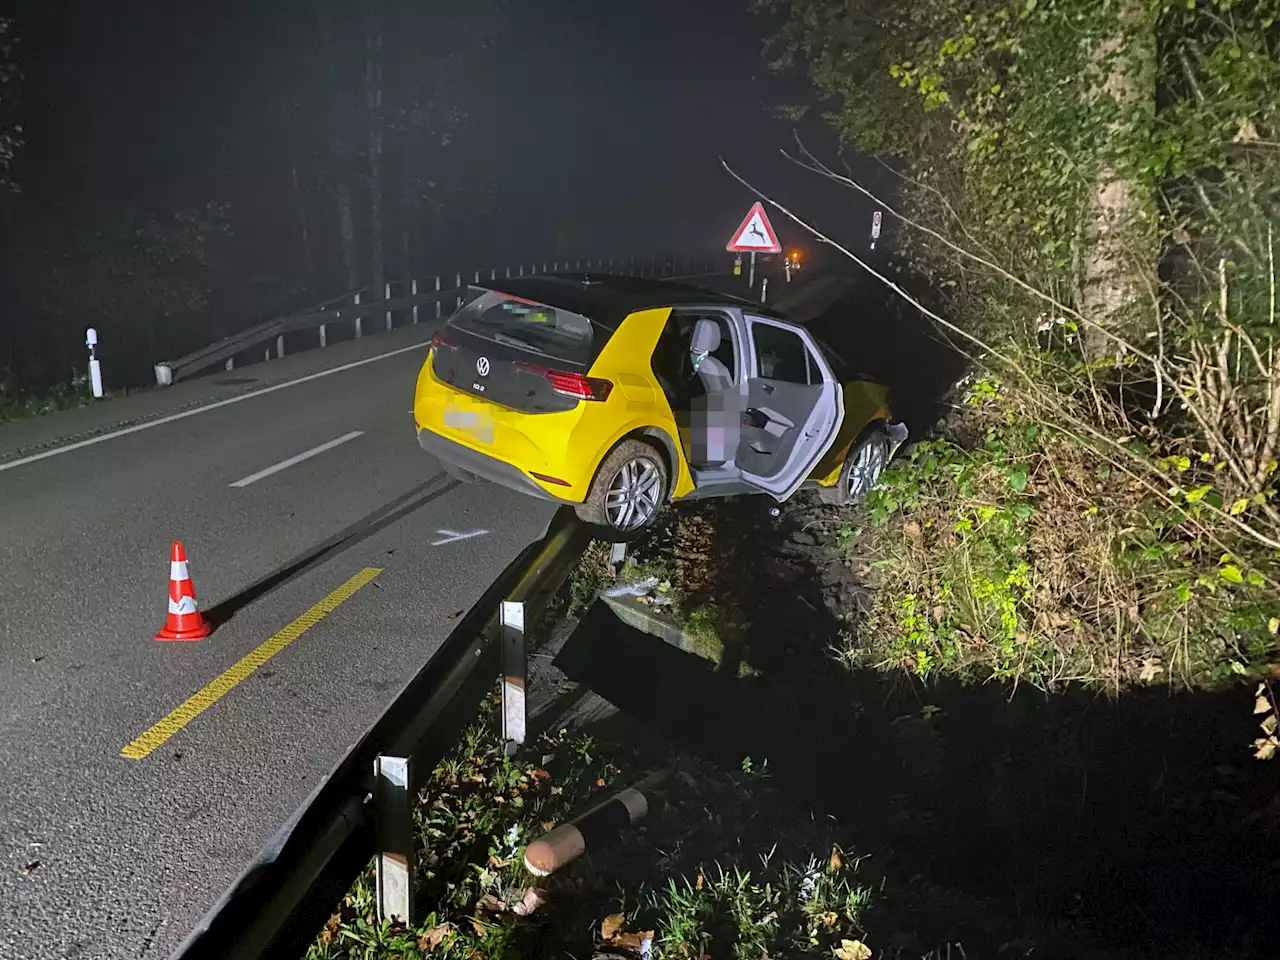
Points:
[[617, 558], [95, 368], [515, 675], [393, 829]]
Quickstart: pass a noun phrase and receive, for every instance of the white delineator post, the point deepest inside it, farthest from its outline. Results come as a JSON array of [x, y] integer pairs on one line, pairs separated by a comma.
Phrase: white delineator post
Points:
[[393, 830], [95, 368], [515, 673]]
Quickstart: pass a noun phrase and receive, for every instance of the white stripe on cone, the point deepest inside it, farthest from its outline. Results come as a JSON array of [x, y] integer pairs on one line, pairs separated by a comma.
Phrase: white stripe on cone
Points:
[[184, 605]]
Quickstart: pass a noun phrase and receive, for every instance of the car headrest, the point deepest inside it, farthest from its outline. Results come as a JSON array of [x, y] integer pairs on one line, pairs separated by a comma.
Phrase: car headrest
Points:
[[706, 336]]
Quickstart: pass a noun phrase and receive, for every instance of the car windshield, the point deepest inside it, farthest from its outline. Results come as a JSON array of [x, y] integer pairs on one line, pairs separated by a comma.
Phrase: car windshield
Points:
[[533, 326]]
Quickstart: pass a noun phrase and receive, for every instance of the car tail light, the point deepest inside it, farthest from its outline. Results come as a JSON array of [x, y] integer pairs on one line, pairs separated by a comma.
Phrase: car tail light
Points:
[[571, 384]]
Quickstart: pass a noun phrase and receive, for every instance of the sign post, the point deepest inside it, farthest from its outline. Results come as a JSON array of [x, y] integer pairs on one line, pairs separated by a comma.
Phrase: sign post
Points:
[[754, 235]]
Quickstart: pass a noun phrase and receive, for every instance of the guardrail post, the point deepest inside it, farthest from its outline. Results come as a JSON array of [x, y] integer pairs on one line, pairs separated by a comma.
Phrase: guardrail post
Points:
[[438, 304], [413, 291], [515, 672], [386, 295], [617, 557], [393, 824], [358, 330], [280, 346]]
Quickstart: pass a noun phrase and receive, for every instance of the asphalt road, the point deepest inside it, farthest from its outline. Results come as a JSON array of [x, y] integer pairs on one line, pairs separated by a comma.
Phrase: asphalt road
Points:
[[106, 856]]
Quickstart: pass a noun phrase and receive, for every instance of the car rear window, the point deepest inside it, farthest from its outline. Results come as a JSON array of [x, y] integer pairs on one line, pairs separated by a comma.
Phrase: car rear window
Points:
[[516, 322]]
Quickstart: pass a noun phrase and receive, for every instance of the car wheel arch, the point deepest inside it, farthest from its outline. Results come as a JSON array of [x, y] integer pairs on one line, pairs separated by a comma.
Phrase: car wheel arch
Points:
[[666, 446]]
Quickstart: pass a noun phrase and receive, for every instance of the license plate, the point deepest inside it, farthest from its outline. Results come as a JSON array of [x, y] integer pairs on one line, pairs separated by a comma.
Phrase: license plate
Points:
[[472, 423]]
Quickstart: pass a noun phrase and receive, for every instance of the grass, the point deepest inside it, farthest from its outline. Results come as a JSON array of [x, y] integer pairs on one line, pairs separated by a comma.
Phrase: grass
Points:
[[1009, 550], [65, 395], [688, 880]]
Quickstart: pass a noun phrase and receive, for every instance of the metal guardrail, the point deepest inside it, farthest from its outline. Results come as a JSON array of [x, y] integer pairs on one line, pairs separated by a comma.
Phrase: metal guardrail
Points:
[[413, 296], [364, 807]]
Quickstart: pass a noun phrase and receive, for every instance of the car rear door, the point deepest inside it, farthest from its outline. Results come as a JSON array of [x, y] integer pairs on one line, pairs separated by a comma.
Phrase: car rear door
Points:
[[794, 407]]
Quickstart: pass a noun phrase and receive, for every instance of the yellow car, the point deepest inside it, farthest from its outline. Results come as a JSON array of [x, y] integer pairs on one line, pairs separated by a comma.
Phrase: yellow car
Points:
[[619, 394]]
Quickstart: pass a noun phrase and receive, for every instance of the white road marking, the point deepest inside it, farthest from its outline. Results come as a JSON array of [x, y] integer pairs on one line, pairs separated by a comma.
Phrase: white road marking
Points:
[[211, 406], [451, 537], [286, 464]]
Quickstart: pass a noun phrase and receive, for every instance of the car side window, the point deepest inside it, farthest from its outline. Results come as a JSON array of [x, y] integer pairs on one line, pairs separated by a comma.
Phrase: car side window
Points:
[[782, 355]]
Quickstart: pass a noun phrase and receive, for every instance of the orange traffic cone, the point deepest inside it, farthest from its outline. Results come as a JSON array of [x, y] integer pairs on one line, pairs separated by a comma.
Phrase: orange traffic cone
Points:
[[185, 621]]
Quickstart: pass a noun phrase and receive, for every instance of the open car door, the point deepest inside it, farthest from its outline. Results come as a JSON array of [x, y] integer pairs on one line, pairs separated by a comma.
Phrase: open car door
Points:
[[794, 407]]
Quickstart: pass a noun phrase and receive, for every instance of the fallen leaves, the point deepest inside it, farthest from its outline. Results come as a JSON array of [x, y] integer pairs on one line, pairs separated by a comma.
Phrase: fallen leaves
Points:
[[331, 928], [533, 899], [612, 925], [437, 935], [612, 933], [1152, 667], [1264, 705], [853, 950]]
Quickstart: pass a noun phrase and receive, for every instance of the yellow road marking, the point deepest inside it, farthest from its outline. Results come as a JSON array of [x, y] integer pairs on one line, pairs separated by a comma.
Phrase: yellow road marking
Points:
[[209, 694]]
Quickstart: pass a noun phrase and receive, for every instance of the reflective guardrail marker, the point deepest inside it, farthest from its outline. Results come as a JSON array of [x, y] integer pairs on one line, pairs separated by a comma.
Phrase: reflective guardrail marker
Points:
[[393, 826], [515, 675]]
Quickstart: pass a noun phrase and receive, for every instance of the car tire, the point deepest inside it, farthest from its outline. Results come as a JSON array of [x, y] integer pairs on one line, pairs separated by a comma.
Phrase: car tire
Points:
[[862, 468], [635, 474]]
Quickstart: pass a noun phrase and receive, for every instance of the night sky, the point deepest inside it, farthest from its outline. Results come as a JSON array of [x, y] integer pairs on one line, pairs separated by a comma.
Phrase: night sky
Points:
[[600, 124]]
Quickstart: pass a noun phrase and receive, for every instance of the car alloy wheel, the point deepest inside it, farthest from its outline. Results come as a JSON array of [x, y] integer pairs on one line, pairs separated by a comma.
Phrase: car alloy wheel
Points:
[[633, 495], [867, 466]]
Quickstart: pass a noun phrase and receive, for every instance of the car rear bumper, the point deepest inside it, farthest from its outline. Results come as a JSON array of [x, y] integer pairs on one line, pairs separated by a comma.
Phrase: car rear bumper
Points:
[[481, 465]]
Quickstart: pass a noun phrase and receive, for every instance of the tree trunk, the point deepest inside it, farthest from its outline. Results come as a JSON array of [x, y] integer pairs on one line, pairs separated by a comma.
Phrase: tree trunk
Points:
[[343, 193], [337, 156], [408, 205], [373, 99], [300, 212], [1120, 265]]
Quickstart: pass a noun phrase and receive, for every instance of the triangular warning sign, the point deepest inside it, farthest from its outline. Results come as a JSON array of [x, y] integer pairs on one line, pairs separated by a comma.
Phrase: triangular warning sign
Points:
[[756, 234]]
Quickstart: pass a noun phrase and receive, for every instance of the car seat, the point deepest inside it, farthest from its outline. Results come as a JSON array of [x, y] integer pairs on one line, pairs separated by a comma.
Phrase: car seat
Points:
[[715, 418]]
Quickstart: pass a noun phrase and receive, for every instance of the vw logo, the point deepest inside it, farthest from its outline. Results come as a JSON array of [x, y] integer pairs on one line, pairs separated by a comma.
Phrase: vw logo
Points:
[[482, 366]]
